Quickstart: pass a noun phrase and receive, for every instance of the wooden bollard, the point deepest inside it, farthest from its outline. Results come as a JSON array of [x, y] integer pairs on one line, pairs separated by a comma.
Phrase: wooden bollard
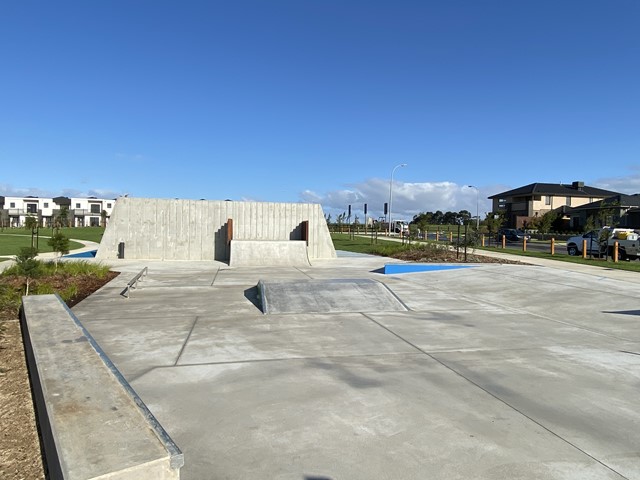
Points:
[[553, 246], [615, 252], [524, 244], [482, 239], [504, 241], [584, 249]]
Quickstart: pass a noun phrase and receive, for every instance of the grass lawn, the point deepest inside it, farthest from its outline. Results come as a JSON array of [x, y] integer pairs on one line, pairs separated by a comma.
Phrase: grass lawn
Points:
[[10, 244], [633, 266], [360, 244]]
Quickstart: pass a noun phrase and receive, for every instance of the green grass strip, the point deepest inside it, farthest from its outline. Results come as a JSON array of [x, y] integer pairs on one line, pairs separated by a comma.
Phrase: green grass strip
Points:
[[10, 244]]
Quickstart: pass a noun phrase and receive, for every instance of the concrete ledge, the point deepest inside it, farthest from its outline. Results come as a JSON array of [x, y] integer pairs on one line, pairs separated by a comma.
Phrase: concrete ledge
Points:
[[93, 425], [268, 253]]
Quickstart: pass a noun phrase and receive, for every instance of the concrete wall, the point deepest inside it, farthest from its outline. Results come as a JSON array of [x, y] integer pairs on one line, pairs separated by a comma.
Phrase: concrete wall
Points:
[[165, 229]]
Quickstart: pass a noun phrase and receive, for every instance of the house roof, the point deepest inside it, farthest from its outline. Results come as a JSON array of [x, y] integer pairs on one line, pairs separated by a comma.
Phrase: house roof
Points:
[[576, 189], [619, 200]]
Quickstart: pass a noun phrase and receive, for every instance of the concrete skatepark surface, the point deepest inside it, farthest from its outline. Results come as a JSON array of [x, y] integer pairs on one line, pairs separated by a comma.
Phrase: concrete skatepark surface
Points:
[[493, 372]]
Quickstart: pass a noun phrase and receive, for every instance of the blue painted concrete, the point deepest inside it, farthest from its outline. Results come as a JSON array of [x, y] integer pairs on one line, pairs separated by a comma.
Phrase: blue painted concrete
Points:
[[394, 268], [89, 254]]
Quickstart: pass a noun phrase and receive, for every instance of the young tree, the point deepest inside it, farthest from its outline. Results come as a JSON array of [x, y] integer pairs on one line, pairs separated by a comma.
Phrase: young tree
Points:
[[606, 213], [60, 244], [27, 265], [544, 223], [63, 216], [591, 224], [494, 221], [103, 216], [31, 223]]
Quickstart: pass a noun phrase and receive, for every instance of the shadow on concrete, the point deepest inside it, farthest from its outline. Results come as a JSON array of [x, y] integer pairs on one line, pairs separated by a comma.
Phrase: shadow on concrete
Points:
[[625, 312], [253, 295], [221, 253], [296, 233], [378, 270], [347, 376], [316, 478]]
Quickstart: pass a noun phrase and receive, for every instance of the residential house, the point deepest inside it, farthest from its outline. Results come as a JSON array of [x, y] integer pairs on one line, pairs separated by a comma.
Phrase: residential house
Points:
[[14, 210], [90, 212], [524, 204], [80, 211], [619, 210]]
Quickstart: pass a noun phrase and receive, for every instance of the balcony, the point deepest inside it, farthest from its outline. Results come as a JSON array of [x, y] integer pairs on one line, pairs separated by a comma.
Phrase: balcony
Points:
[[17, 212]]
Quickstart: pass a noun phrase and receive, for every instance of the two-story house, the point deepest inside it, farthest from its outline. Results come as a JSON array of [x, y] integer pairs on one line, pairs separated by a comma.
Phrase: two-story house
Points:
[[521, 205], [15, 210], [79, 211], [90, 212], [619, 210]]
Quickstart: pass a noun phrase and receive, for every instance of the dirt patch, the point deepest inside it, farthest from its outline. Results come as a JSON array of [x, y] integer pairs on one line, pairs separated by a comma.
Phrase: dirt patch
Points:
[[443, 255], [19, 442]]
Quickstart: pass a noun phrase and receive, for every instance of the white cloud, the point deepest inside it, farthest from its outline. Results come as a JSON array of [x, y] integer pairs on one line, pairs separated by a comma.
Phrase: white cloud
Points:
[[408, 199], [629, 184], [7, 190]]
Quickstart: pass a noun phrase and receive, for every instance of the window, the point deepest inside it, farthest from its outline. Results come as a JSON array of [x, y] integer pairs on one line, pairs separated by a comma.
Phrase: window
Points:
[[46, 204], [32, 207], [95, 208], [94, 221], [108, 205], [12, 205], [547, 199], [568, 201], [77, 205]]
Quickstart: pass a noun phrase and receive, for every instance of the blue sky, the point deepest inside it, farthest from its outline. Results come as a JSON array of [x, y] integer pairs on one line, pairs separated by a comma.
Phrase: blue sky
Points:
[[303, 100]]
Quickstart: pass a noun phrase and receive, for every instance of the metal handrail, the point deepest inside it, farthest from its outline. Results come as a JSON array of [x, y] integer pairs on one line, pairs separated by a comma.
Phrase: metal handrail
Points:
[[133, 283]]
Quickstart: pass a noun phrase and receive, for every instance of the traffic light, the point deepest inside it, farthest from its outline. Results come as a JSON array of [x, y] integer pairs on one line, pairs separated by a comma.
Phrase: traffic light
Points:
[[349, 210], [365, 208], [386, 208]]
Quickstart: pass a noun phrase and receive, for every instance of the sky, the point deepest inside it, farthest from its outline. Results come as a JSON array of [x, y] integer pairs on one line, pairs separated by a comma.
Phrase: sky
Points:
[[319, 100]]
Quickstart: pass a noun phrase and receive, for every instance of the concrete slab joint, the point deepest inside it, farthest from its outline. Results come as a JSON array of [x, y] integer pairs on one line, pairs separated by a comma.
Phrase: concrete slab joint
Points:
[[93, 424]]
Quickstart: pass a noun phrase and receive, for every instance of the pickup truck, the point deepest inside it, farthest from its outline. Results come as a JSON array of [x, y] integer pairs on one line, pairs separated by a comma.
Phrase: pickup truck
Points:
[[601, 242]]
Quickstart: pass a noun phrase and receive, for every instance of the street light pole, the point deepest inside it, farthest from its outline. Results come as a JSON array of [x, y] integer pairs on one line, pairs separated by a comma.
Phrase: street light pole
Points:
[[477, 212], [391, 191]]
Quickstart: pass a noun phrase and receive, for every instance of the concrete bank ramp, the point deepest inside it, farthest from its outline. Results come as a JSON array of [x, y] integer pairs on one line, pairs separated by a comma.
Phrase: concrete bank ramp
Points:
[[328, 296], [268, 253]]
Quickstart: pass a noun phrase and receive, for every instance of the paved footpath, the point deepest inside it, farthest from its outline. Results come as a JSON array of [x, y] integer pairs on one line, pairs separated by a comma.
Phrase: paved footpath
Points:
[[493, 372]]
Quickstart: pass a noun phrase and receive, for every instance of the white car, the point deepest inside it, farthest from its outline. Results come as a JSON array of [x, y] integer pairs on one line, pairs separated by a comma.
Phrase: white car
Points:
[[574, 244]]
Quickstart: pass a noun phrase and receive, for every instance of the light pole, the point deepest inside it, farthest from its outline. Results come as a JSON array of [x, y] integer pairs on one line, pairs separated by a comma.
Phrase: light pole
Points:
[[477, 212], [391, 191]]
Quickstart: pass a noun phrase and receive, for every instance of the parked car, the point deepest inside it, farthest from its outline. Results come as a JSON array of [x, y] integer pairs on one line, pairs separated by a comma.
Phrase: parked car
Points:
[[601, 242], [512, 235], [574, 244]]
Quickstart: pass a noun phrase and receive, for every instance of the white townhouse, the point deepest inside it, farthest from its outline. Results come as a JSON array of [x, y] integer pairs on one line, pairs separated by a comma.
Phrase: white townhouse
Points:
[[79, 211], [90, 212]]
